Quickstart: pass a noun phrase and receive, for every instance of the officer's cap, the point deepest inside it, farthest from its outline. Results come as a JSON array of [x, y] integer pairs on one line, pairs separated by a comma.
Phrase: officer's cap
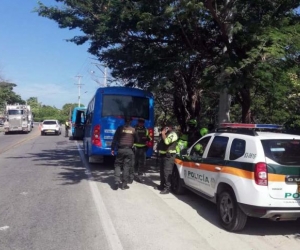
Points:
[[141, 120]]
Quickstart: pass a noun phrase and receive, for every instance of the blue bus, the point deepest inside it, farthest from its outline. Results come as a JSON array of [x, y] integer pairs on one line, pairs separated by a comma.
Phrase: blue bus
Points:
[[77, 122], [106, 112]]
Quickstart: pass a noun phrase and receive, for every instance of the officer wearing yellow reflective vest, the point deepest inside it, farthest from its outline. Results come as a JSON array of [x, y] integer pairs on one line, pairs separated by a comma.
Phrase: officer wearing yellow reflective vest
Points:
[[167, 154], [67, 127], [142, 135]]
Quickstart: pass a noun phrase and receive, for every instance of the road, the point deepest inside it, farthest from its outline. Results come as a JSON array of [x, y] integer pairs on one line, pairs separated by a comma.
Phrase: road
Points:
[[51, 198]]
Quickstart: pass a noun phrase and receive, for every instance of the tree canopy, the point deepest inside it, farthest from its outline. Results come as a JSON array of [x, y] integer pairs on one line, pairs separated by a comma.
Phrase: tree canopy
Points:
[[194, 48], [7, 95]]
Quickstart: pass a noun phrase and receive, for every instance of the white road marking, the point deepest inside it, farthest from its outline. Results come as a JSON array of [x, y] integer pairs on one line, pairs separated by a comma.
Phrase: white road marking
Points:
[[4, 228], [105, 220]]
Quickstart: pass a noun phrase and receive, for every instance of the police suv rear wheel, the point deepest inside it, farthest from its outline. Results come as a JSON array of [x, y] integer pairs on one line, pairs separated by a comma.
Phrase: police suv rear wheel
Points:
[[231, 216], [177, 182]]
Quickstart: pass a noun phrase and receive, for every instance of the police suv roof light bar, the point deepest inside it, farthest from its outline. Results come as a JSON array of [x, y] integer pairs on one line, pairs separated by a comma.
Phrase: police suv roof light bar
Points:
[[250, 126]]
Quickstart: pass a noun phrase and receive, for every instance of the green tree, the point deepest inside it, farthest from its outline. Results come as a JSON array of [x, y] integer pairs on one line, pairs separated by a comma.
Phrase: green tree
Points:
[[7, 95], [156, 43], [35, 106], [67, 109], [47, 112]]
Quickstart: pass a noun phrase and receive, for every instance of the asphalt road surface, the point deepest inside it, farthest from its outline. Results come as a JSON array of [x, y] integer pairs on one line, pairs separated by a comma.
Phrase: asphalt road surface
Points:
[[51, 198]]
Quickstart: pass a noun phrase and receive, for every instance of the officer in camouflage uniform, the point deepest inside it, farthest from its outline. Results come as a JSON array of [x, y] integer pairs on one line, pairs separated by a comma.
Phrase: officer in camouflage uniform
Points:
[[123, 140], [167, 154], [143, 137]]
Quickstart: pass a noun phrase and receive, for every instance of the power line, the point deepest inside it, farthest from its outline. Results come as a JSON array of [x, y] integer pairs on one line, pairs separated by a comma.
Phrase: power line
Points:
[[104, 72]]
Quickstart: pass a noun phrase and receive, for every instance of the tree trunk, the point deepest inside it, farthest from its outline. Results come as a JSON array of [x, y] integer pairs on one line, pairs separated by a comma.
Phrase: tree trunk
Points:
[[224, 107], [187, 105], [245, 101]]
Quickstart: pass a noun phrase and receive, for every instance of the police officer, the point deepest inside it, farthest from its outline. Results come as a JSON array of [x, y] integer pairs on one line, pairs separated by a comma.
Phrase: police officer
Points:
[[123, 140], [167, 154], [142, 135], [67, 127]]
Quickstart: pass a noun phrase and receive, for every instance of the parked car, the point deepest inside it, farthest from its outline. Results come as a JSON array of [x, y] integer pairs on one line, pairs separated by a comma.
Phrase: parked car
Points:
[[50, 127], [245, 172]]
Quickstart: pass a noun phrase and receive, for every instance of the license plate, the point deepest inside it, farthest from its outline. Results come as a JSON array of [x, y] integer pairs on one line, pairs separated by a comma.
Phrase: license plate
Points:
[[49, 130]]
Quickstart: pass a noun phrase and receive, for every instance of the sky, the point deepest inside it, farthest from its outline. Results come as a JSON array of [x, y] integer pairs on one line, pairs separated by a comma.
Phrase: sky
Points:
[[35, 55]]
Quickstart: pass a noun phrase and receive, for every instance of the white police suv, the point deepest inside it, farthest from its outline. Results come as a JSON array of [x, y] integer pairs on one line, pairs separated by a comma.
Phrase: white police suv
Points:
[[246, 171]]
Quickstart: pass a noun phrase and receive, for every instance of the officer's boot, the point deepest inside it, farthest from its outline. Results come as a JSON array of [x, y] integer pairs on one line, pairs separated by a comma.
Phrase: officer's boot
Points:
[[165, 191], [138, 178], [160, 187], [116, 186], [124, 186]]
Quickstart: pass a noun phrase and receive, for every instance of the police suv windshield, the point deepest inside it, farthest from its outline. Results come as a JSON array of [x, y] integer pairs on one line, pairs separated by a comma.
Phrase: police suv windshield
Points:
[[285, 152], [120, 105]]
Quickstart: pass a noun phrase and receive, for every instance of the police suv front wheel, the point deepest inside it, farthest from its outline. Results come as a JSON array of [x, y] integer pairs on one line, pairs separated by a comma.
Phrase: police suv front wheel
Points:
[[232, 218]]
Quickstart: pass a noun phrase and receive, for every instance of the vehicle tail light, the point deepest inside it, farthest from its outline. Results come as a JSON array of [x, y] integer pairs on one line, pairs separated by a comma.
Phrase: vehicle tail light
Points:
[[151, 134], [96, 136], [261, 174]]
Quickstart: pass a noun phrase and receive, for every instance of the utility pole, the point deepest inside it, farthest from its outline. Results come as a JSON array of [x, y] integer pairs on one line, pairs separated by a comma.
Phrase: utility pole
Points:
[[79, 84], [105, 77], [103, 72]]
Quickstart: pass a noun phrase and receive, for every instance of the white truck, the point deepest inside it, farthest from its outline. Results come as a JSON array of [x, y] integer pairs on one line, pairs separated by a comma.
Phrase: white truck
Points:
[[18, 118]]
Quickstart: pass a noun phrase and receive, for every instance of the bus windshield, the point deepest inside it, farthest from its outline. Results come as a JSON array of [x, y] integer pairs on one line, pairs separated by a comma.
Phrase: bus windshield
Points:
[[120, 105]]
